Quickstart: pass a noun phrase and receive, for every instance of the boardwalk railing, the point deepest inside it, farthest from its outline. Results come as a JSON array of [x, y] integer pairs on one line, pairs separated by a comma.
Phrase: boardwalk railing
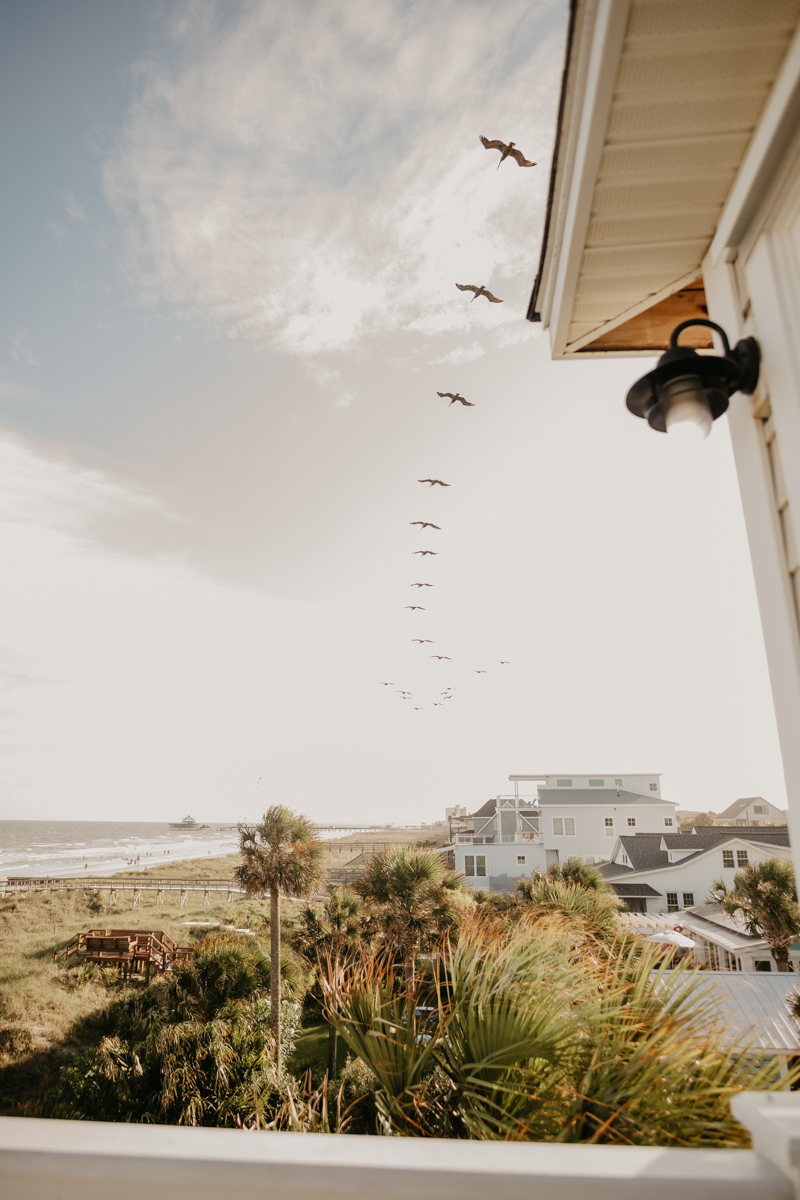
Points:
[[119, 883], [85, 1160]]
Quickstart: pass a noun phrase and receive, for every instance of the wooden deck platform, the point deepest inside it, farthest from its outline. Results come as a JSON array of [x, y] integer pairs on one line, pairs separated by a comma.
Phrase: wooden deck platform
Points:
[[130, 950]]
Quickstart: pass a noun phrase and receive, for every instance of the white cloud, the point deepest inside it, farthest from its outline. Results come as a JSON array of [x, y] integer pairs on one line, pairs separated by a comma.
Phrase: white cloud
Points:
[[308, 199], [55, 494], [20, 349]]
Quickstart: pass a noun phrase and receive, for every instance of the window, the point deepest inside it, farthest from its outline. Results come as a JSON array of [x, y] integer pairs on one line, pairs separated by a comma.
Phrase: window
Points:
[[602, 783], [569, 826], [762, 964], [480, 864], [469, 864], [653, 787], [668, 822], [688, 899], [760, 808], [632, 822], [563, 783], [727, 858], [609, 826], [625, 859], [520, 860], [617, 783], [563, 827], [672, 901], [741, 858]]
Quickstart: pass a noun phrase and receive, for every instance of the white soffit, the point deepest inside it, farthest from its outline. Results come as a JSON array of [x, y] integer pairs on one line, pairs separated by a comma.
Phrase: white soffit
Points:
[[692, 80]]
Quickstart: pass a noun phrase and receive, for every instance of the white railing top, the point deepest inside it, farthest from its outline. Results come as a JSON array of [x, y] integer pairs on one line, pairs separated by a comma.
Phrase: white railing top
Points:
[[74, 1160]]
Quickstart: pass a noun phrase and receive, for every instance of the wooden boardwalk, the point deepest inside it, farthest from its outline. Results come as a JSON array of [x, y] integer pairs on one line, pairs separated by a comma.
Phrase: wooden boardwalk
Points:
[[16, 884]]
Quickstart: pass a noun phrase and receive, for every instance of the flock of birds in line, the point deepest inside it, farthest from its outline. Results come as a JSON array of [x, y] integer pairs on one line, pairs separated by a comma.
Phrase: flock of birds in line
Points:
[[507, 150]]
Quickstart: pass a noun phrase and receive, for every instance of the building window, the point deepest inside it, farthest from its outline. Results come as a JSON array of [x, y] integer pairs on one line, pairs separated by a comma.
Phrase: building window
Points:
[[617, 783], [672, 901], [609, 826], [760, 808], [563, 783], [741, 858], [632, 822], [469, 864], [569, 826], [727, 858], [653, 787], [602, 783], [625, 859], [520, 860], [668, 822], [688, 899], [762, 964], [480, 864], [563, 826]]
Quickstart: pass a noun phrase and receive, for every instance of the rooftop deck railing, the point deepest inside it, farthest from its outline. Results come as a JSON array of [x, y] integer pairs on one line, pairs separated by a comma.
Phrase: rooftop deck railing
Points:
[[84, 1160]]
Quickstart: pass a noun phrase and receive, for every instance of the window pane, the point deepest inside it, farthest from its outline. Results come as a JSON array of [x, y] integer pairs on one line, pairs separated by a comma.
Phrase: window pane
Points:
[[688, 899], [617, 783], [597, 783], [469, 864], [569, 826], [672, 898], [632, 821], [481, 864], [668, 822], [563, 783], [558, 826], [520, 860], [727, 858], [653, 787], [741, 858], [609, 821]]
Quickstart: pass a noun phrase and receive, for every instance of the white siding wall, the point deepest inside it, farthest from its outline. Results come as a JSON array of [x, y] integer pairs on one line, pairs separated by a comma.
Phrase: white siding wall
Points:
[[642, 785], [697, 876], [501, 860], [590, 840]]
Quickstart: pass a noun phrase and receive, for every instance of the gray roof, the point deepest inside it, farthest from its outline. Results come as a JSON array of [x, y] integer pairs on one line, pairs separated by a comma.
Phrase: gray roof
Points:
[[604, 796], [486, 810], [749, 1008], [645, 854], [733, 810], [635, 891]]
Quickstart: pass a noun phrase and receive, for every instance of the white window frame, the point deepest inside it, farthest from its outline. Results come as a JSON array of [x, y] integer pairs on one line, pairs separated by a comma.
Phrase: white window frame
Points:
[[668, 822], [688, 899], [727, 865], [672, 904], [608, 823], [561, 827], [631, 822], [563, 783], [469, 866], [653, 787], [742, 859], [480, 866], [520, 860], [597, 783]]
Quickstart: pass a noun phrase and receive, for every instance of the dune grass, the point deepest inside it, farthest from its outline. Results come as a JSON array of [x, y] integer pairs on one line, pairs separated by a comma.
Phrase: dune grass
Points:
[[48, 1011]]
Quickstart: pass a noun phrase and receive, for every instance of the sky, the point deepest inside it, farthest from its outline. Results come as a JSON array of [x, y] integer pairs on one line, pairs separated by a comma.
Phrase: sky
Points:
[[230, 237]]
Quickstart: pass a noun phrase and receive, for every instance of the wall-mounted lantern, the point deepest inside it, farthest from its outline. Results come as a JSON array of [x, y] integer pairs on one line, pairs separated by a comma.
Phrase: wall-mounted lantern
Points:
[[687, 391]]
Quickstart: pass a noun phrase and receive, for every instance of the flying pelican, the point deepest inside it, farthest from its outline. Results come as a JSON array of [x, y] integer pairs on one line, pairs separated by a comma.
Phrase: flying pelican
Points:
[[433, 481], [420, 585], [386, 684], [505, 151], [453, 397], [505, 662], [425, 524], [479, 291], [413, 606], [425, 552], [447, 656], [418, 708], [479, 672], [421, 640]]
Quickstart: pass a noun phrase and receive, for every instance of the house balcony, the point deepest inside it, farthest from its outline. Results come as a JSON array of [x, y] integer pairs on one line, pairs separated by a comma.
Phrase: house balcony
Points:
[[505, 839], [85, 1160]]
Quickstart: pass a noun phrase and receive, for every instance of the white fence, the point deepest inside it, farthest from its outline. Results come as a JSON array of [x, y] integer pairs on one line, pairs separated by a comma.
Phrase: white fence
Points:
[[83, 1160]]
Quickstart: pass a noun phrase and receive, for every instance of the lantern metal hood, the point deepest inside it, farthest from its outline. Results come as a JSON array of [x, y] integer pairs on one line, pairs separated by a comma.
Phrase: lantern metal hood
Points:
[[687, 391]]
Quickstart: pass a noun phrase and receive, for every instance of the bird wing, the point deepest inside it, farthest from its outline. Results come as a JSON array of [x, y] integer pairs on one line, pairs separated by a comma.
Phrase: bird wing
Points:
[[444, 395], [430, 481], [521, 159], [493, 145], [467, 287], [493, 299]]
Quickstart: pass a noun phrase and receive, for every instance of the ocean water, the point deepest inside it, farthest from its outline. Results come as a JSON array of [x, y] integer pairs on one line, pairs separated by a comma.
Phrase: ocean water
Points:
[[103, 847]]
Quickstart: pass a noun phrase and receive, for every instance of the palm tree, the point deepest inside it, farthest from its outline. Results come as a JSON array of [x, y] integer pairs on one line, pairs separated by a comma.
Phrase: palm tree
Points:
[[329, 936], [280, 854], [764, 896], [415, 898]]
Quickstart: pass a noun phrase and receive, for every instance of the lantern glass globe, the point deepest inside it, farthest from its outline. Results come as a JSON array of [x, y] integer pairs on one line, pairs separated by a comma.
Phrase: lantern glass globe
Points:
[[687, 413]]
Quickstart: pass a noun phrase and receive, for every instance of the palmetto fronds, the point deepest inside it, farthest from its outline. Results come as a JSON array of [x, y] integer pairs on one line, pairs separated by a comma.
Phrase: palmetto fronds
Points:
[[764, 897], [528, 1036]]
